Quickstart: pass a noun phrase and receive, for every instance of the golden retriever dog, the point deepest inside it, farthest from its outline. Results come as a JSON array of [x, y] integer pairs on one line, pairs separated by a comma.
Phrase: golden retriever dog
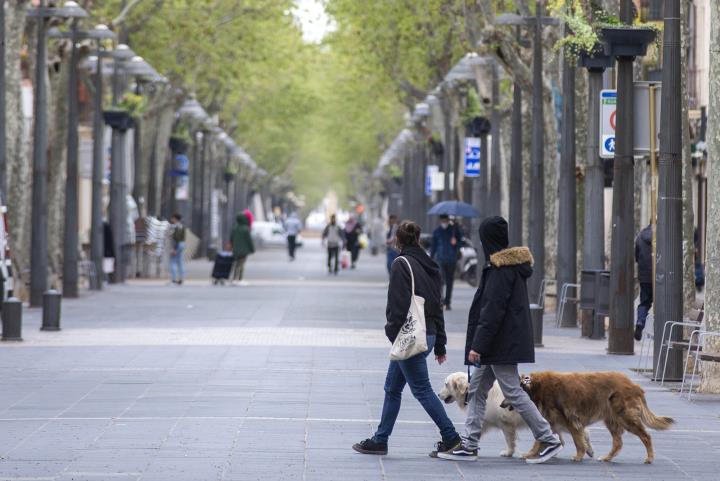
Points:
[[506, 420], [572, 401]]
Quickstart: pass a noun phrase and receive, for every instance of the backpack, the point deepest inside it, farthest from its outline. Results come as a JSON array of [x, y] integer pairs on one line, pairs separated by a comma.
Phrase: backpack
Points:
[[178, 234]]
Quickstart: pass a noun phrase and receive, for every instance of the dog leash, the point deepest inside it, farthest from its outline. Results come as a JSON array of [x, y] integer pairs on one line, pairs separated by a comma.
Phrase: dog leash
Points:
[[468, 389]]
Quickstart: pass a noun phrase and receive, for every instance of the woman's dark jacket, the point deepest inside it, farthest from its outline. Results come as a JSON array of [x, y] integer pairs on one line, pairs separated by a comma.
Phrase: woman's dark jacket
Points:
[[428, 285], [499, 325], [643, 255]]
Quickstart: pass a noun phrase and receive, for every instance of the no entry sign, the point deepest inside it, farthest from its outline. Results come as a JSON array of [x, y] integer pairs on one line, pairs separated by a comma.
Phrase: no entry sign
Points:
[[608, 112]]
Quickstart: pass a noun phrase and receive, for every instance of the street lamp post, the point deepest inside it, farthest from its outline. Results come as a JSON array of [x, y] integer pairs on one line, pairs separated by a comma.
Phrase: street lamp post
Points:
[[669, 263], [567, 195], [594, 215], [142, 72], [118, 170], [536, 218], [494, 181], [70, 241], [39, 241], [620, 334]]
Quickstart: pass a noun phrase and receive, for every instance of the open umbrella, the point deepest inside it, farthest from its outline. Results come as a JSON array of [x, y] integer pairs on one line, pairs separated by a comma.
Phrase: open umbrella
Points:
[[454, 208]]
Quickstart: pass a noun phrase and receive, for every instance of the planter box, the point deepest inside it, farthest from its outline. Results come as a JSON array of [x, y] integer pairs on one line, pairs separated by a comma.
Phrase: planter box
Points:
[[178, 145], [627, 41], [596, 60], [478, 127], [118, 119]]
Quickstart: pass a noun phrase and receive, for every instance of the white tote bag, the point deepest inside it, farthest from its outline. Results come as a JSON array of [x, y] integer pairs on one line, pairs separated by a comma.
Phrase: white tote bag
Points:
[[412, 339]]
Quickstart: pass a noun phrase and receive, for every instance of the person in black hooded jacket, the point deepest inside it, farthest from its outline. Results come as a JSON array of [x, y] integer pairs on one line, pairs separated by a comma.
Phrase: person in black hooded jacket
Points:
[[643, 257], [499, 337], [413, 371]]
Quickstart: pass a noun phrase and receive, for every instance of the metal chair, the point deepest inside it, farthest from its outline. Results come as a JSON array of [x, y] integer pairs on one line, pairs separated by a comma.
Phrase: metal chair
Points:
[[700, 356], [646, 346], [543, 293], [667, 344], [564, 298]]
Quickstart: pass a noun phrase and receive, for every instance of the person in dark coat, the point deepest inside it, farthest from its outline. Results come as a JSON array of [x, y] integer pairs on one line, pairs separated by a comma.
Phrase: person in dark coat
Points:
[[499, 337], [446, 241], [413, 371], [643, 258], [242, 246]]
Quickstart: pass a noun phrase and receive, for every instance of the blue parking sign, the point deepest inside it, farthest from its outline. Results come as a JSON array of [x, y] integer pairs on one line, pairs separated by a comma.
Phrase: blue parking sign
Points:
[[472, 157]]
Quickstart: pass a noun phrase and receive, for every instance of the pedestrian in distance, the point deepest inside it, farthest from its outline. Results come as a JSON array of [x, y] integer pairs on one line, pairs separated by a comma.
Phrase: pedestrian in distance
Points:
[[242, 246], [425, 275], [293, 226], [177, 252], [643, 258], [353, 229], [499, 337], [333, 238], [390, 246], [446, 241]]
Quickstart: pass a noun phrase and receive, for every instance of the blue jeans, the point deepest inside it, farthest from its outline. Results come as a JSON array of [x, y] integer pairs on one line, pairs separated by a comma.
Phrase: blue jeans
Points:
[[391, 256], [413, 371], [177, 263]]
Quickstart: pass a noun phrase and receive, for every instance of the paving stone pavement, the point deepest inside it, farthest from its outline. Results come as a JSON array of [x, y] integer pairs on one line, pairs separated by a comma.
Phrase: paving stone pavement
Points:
[[274, 381]]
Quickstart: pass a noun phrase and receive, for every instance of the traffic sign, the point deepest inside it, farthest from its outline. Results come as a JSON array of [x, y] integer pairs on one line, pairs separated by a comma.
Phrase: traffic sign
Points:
[[608, 105], [641, 125], [472, 157]]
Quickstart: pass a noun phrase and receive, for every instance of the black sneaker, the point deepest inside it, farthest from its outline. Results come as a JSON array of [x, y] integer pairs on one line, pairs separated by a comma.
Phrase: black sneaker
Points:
[[442, 447], [369, 446], [547, 451], [638, 333], [459, 453]]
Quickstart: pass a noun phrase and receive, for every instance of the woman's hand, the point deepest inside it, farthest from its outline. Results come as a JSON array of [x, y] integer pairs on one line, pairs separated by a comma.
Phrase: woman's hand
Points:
[[473, 357], [441, 359]]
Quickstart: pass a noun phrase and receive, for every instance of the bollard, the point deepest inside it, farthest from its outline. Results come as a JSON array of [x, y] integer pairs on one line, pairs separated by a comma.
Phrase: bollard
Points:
[[51, 311], [536, 314], [12, 320]]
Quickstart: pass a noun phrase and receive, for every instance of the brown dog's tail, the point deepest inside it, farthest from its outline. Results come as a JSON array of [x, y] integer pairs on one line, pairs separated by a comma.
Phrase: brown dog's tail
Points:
[[651, 420]]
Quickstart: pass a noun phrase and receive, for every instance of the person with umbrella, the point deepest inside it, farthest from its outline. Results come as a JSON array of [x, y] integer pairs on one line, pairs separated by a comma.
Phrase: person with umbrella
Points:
[[446, 241]]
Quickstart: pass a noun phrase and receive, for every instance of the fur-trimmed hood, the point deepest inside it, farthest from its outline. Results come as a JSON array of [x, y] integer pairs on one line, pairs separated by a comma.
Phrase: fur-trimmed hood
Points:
[[514, 256]]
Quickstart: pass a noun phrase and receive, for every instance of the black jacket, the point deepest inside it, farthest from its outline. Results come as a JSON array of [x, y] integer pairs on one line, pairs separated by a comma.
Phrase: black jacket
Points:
[[499, 325], [643, 255], [427, 285]]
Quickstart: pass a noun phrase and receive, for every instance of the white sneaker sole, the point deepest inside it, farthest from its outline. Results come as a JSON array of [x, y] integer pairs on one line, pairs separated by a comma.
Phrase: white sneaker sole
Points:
[[453, 457], [547, 457]]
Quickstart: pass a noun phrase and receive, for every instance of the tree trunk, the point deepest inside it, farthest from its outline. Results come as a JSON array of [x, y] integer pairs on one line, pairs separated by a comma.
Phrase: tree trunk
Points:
[[57, 159], [19, 166], [688, 176], [711, 371]]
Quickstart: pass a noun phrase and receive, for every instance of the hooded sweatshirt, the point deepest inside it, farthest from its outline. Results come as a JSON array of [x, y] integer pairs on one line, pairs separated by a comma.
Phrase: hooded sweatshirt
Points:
[[240, 238], [427, 285], [643, 255], [499, 324]]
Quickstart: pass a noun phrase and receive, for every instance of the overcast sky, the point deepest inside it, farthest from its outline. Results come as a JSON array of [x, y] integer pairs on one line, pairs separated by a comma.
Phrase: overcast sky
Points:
[[313, 19]]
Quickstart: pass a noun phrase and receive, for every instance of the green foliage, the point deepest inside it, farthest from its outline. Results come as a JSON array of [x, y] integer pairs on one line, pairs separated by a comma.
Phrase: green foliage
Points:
[[473, 107], [134, 104]]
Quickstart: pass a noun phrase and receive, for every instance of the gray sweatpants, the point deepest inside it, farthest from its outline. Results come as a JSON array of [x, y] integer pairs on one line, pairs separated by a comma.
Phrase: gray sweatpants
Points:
[[509, 380]]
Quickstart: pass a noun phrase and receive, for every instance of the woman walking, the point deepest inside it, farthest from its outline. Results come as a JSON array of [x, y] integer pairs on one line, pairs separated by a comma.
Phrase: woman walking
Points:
[[414, 370], [242, 246], [352, 240]]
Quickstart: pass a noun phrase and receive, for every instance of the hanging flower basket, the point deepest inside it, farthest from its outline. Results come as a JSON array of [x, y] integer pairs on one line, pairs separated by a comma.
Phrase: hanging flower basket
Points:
[[178, 145], [627, 41], [595, 60], [118, 119]]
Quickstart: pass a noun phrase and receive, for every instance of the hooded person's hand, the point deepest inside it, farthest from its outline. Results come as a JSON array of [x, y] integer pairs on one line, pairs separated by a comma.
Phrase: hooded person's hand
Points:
[[441, 359], [473, 357]]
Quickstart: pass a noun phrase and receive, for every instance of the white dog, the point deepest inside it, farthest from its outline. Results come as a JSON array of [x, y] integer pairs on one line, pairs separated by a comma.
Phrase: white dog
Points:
[[499, 417]]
